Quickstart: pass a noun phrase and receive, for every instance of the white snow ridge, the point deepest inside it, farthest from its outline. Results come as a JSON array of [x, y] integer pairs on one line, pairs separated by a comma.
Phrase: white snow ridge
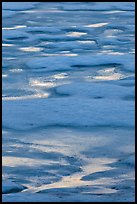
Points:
[[68, 93]]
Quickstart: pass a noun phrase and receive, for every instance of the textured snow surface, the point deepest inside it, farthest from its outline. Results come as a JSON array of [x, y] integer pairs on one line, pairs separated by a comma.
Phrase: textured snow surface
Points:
[[68, 90]]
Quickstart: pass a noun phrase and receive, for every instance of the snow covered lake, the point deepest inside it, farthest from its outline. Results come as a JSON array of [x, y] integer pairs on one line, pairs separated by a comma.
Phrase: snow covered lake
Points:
[[68, 86]]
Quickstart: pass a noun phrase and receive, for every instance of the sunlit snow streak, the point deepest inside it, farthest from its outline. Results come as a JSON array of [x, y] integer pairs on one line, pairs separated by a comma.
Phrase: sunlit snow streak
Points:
[[31, 49], [113, 12], [60, 54], [15, 27], [4, 75], [16, 70], [42, 95], [96, 25], [76, 34], [7, 45]]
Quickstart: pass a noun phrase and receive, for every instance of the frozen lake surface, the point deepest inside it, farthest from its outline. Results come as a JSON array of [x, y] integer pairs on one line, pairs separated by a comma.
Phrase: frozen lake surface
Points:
[[68, 101]]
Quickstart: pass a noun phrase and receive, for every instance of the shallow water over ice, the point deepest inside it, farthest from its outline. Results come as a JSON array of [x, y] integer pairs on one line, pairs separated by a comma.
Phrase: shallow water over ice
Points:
[[68, 101]]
